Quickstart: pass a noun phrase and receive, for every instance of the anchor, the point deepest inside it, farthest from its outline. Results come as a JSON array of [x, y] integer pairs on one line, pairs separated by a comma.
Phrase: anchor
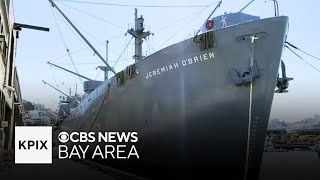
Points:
[[244, 77], [283, 83]]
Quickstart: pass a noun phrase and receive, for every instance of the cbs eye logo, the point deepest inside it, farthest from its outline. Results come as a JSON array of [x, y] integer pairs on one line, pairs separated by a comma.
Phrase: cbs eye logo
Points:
[[76, 137], [63, 137]]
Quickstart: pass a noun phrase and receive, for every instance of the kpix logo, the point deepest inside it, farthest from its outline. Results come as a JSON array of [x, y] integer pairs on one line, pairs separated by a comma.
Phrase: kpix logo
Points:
[[33, 145]]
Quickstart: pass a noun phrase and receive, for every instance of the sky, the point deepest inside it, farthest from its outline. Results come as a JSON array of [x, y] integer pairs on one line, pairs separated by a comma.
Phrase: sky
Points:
[[169, 25]]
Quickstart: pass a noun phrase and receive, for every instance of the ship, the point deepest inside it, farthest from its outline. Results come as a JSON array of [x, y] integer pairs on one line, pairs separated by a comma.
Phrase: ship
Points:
[[201, 106]]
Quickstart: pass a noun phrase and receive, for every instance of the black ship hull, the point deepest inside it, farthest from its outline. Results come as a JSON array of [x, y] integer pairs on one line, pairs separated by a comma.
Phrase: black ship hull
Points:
[[191, 116]]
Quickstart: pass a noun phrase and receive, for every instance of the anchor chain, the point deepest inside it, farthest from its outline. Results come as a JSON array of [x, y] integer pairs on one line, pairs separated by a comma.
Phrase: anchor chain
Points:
[[253, 39]]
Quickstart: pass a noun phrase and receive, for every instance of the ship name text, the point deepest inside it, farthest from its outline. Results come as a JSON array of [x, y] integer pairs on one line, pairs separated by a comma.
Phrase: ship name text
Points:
[[182, 63]]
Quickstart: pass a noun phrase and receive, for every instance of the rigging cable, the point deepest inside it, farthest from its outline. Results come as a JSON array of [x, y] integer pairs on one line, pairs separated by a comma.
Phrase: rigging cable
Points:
[[135, 5], [74, 52], [76, 24], [148, 49], [72, 30], [115, 64], [58, 27], [53, 76], [79, 64], [101, 105], [93, 16], [295, 47], [153, 50], [97, 75], [98, 42], [303, 59], [177, 32], [85, 48], [125, 55], [122, 27], [71, 58], [65, 44], [182, 19], [66, 88]]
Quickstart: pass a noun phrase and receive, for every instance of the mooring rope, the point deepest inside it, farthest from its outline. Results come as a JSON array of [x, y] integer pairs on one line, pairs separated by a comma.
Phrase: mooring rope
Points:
[[98, 113]]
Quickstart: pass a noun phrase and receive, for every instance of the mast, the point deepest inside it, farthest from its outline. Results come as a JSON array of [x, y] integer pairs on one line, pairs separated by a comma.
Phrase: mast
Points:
[[139, 34], [82, 36], [70, 71], [107, 59], [104, 68]]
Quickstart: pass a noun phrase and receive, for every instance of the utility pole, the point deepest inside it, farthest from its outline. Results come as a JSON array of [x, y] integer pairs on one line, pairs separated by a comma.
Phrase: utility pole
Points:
[[139, 34]]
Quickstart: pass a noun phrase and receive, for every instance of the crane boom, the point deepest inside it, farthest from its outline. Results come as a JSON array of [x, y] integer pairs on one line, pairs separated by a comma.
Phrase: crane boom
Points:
[[246, 6], [84, 77], [82, 36], [219, 4], [61, 92]]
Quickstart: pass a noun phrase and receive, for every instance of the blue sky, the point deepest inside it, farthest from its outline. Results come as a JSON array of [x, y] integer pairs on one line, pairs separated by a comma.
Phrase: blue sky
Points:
[[170, 25]]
